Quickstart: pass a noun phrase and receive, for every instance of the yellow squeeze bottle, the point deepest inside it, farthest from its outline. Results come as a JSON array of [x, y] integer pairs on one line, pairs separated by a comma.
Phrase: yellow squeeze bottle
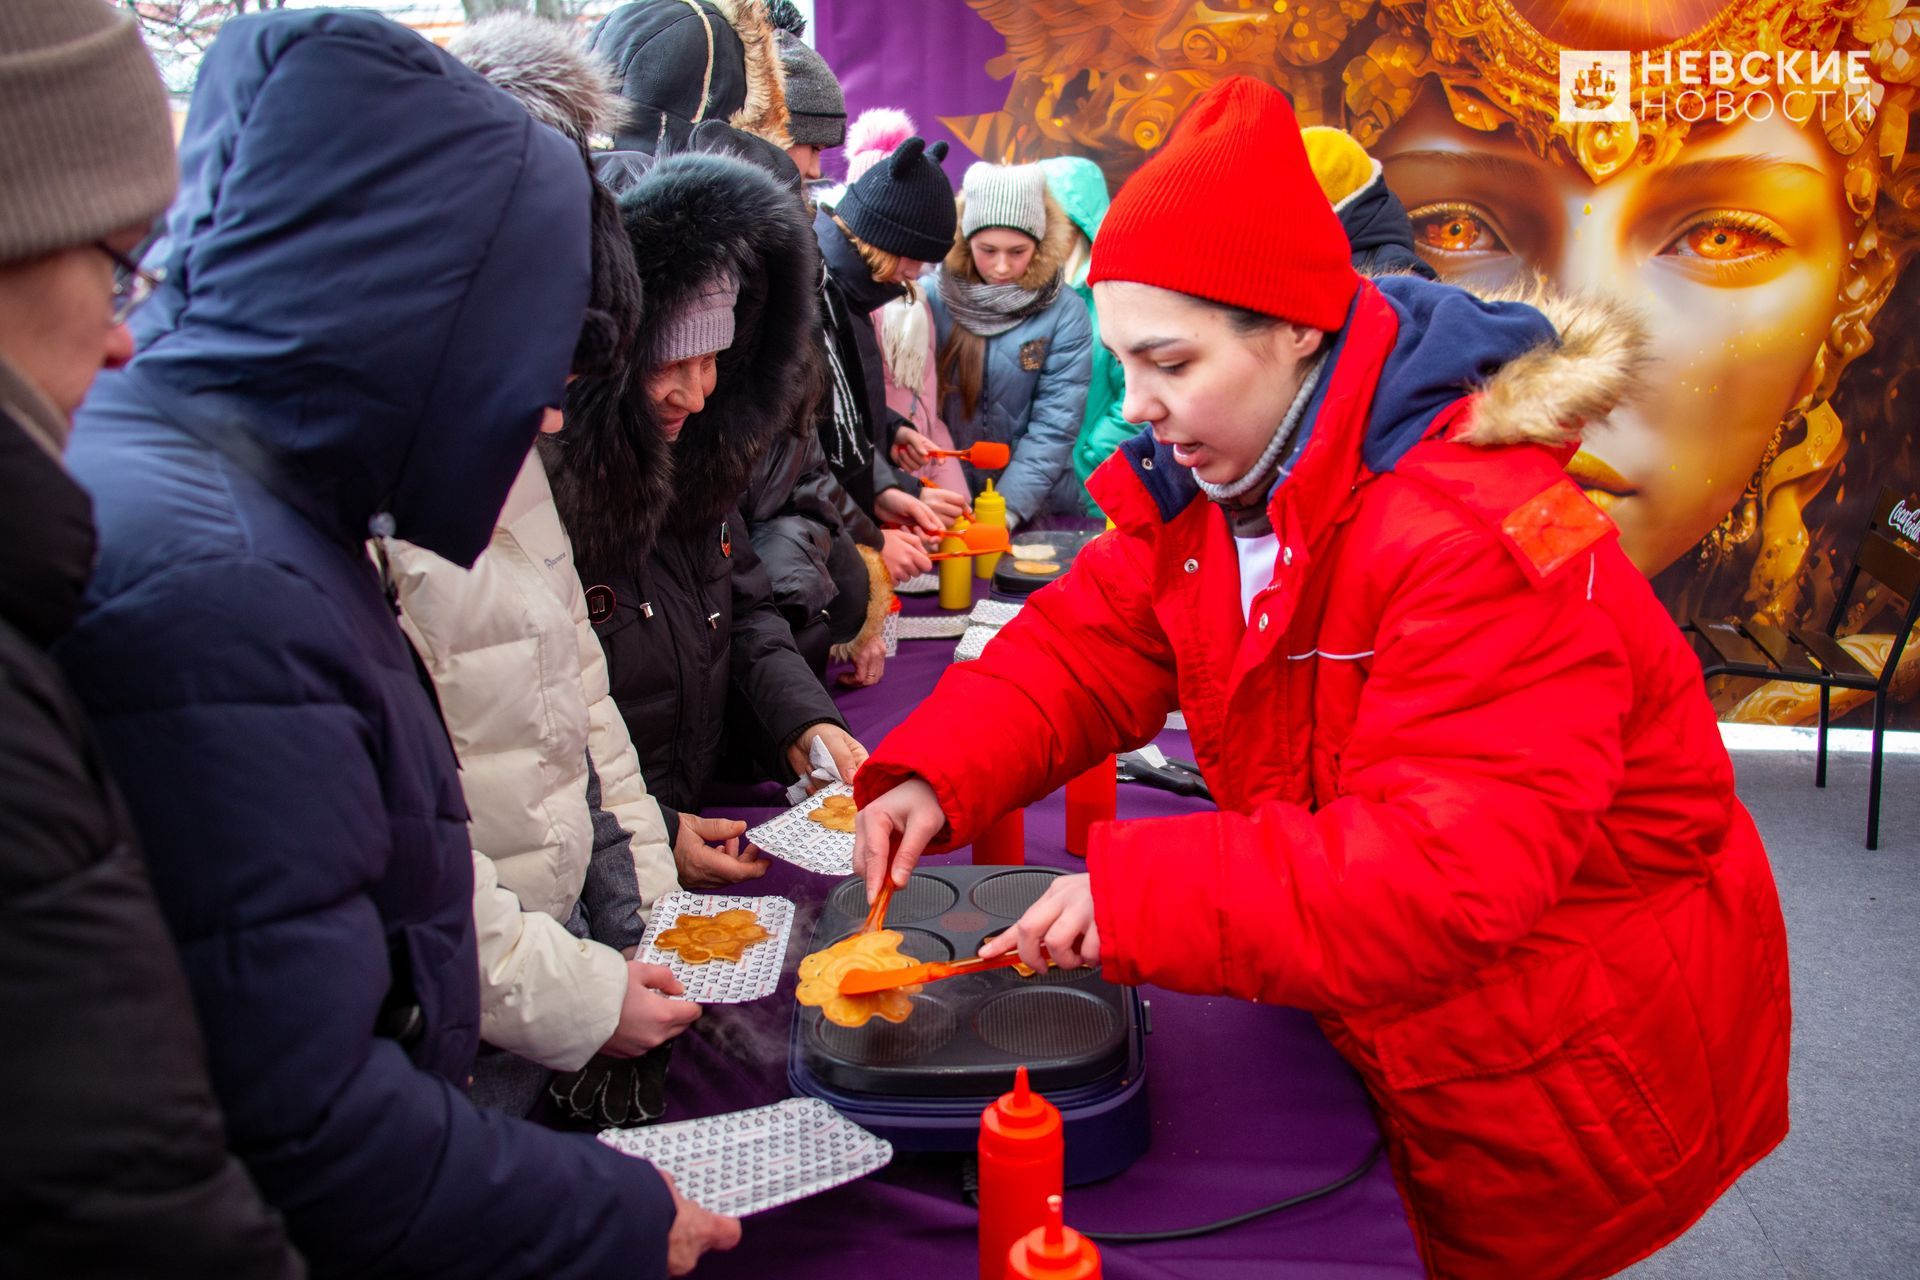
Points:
[[988, 508], [956, 575]]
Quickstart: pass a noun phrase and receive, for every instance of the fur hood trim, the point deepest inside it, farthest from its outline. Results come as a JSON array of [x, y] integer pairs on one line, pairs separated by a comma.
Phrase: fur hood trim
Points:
[[547, 67], [764, 114], [1550, 394], [693, 217], [879, 604], [1049, 259]]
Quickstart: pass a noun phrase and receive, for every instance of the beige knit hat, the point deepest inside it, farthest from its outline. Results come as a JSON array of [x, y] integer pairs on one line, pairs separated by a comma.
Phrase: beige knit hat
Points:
[[86, 139]]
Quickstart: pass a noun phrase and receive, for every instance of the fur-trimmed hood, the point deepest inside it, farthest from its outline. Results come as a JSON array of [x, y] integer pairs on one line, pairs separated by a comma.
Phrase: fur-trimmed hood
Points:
[[690, 218], [682, 63], [548, 69], [1541, 365], [1550, 394], [1049, 258]]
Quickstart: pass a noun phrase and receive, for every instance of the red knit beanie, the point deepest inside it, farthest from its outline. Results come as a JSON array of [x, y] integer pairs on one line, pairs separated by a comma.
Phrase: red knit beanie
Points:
[[1229, 210]]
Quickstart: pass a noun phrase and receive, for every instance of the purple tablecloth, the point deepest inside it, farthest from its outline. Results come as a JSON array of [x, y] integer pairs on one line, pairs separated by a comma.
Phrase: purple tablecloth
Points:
[[1250, 1105]]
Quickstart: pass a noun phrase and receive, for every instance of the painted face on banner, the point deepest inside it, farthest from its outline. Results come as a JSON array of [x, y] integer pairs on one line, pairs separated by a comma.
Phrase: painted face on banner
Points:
[[1733, 252]]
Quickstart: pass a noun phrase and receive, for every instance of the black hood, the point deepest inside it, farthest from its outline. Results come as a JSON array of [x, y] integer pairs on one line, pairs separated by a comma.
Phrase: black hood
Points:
[[619, 170], [1379, 233], [693, 217]]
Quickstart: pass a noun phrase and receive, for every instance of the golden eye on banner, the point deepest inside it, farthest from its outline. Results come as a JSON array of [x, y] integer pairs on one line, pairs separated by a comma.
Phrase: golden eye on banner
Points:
[[1739, 172]]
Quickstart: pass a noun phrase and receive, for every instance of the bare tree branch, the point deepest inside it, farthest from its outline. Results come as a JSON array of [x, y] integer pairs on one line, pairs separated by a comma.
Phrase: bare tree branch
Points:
[[179, 31]]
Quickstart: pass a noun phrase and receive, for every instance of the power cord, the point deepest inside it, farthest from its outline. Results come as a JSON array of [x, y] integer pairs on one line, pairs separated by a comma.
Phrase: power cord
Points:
[[970, 1189]]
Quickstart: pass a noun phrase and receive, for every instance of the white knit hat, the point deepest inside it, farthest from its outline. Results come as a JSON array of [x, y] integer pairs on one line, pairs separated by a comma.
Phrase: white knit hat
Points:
[[1005, 195]]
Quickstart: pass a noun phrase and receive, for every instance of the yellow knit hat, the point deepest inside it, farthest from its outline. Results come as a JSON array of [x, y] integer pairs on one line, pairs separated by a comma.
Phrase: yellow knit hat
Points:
[[1341, 164]]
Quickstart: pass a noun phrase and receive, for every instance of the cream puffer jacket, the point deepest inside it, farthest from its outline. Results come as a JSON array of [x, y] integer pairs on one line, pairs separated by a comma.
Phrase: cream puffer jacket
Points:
[[523, 686]]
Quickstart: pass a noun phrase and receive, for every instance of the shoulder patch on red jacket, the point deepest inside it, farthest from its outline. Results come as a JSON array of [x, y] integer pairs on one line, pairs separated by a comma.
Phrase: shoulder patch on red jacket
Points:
[[1554, 526]]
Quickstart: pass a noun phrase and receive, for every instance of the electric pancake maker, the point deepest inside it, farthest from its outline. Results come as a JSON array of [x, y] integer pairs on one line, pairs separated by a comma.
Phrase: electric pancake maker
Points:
[[922, 1084], [1050, 554]]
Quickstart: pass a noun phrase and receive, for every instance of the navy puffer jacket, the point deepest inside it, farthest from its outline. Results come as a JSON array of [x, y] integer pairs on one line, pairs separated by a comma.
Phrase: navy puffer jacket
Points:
[[378, 270]]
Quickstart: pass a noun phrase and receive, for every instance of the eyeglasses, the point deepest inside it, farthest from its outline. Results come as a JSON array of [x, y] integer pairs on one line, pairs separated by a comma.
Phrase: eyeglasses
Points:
[[132, 283]]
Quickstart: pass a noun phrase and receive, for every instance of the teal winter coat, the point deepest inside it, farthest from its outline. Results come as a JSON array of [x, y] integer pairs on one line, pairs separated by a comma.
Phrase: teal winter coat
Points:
[[1081, 189]]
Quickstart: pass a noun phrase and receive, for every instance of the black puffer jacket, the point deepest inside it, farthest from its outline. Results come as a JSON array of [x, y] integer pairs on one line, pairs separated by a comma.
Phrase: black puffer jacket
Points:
[[697, 652], [797, 512], [113, 1156]]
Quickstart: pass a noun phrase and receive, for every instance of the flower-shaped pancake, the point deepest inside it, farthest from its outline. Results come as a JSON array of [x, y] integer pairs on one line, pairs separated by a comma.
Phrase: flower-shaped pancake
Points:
[[699, 939], [822, 972], [835, 813]]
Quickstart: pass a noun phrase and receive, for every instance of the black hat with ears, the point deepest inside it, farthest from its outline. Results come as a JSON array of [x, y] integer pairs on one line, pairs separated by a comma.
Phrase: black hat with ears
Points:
[[904, 205]]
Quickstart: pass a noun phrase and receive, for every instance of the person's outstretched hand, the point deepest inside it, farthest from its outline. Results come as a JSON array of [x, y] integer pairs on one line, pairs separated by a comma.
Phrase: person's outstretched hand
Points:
[[904, 555], [891, 833], [869, 664], [897, 506], [946, 505], [694, 1231], [848, 755], [911, 449], [647, 1018], [1060, 925], [708, 853]]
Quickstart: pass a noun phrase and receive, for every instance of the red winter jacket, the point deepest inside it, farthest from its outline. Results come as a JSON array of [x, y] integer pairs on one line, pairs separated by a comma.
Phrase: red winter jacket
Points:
[[1475, 813]]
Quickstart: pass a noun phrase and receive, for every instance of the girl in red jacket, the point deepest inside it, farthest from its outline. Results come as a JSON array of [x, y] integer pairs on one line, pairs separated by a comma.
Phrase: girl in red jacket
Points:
[[1474, 809]]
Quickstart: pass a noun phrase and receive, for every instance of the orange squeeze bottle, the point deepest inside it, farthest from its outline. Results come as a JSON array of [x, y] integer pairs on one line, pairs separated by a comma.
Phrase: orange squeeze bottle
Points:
[[1023, 1155], [1054, 1251]]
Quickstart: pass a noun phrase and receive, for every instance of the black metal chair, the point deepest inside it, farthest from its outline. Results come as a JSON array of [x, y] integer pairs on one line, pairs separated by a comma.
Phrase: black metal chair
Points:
[[1887, 554]]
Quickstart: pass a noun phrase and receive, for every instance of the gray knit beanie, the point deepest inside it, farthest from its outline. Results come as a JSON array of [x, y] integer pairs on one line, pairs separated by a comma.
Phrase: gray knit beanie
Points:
[[705, 324], [86, 139], [816, 109], [1005, 195]]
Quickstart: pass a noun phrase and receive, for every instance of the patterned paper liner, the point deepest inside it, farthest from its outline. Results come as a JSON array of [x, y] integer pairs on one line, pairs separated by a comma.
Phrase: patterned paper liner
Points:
[[937, 627], [747, 1161], [793, 837], [757, 972], [924, 585], [973, 643], [995, 613]]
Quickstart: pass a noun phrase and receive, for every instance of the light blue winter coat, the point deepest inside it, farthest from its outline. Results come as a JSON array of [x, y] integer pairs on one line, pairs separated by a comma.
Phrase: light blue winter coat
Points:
[[1033, 390]]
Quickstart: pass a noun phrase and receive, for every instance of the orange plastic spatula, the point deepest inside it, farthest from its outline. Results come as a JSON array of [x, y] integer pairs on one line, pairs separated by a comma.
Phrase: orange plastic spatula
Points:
[[981, 540], [866, 982], [877, 913], [988, 455]]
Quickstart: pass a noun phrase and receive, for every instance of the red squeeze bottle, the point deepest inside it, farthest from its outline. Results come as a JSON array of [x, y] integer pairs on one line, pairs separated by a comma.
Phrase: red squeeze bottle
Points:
[[1003, 844], [1053, 1252], [1091, 797], [1023, 1153]]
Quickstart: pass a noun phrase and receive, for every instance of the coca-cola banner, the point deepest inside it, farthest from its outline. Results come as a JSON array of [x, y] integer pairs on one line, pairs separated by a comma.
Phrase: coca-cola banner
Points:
[[1741, 172]]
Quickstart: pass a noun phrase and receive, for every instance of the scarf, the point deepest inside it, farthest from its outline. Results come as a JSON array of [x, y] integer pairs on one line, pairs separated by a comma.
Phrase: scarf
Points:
[[851, 446], [906, 337], [1250, 519], [992, 309]]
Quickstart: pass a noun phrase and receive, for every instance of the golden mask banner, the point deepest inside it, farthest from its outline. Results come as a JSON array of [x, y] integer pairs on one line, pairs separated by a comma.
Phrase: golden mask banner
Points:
[[1741, 173]]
